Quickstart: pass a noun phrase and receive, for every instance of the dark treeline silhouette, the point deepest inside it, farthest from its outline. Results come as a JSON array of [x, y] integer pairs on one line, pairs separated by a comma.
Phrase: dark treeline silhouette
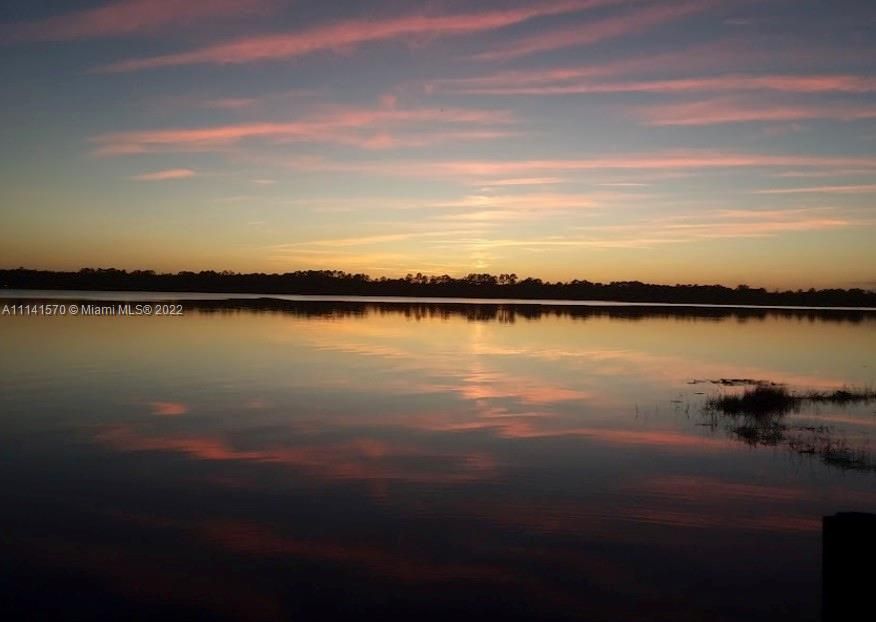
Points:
[[508, 313], [336, 282], [481, 311]]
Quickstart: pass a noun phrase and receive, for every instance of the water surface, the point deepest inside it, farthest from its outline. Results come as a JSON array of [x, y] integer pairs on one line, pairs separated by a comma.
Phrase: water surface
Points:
[[300, 460]]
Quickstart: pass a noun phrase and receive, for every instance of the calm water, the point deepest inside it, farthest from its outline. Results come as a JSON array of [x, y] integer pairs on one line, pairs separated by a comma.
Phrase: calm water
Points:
[[301, 460]]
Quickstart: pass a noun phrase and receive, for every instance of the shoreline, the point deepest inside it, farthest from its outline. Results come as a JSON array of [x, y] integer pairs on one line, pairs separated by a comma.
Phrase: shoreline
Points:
[[218, 297]]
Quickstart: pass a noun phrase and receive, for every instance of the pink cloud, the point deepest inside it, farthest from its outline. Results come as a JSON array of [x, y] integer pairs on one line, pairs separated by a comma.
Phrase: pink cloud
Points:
[[173, 173], [661, 161], [514, 79], [718, 61], [524, 181], [852, 172], [349, 34], [847, 189], [597, 31], [129, 17], [739, 110], [385, 140], [168, 409], [540, 201], [230, 103], [370, 128], [786, 83]]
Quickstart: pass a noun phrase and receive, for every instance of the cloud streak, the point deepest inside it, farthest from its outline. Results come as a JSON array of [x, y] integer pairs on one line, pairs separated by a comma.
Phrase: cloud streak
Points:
[[648, 235], [351, 34], [847, 189], [719, 111], [662, 161], [597, 31], [132, 17], [165, 175], [521, 201], [369, 128], [168, 409], [509, 84]]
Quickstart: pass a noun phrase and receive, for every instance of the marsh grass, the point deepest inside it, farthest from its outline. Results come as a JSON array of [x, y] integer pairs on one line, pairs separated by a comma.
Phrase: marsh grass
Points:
[[762, 400], [761, 433], [837, 452], [757, 417], [735, 382], [841, 396], [767, 399]]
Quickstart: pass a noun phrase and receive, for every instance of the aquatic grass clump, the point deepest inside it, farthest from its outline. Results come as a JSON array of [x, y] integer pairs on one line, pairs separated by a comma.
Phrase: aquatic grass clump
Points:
[[847, 458], [769, 433], [841, 396], [758, 418], [837, 452], [735, 382], [769, 399], [763, 400]]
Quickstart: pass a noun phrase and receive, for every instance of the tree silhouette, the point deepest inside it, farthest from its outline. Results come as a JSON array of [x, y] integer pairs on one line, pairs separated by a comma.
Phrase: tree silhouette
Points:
[[474, 285]]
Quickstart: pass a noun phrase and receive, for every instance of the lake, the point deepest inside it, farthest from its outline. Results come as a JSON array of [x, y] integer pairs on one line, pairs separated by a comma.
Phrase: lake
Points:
[[296, 459]]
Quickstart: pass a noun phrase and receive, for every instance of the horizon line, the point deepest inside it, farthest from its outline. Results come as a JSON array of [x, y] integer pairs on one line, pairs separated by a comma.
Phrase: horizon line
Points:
[[427, 278]]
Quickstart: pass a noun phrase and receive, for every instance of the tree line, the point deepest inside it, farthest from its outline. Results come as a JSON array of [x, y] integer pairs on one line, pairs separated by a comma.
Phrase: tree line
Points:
[[338, 282]]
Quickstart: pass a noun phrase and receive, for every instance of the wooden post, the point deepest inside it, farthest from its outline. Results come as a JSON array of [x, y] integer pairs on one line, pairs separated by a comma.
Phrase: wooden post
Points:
[[848, 565]]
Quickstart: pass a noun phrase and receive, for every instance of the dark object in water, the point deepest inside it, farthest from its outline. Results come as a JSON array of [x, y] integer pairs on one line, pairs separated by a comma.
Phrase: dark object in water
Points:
[[769, 433], [734, 382], [772, 399], [762, 400], [849, 543], [841, 396], [757, 417]]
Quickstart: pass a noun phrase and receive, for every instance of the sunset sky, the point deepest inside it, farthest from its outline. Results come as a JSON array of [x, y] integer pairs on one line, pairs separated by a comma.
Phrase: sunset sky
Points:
[[729, 141]]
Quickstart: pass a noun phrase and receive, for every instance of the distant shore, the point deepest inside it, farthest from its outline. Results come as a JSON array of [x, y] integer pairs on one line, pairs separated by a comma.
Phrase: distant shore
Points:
[[487, 287]]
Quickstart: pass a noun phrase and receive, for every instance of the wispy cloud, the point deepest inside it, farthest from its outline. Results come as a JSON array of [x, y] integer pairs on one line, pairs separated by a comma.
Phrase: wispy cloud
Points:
[[757, 228], [168, 409], [557, 83], [370, 128], [523, 181], [720, 111], [271, 100], [484, 232], [852, 172], [722, 65], [131, 17], [230, 103], [663, 162], [375, 239], [350, 34], [739, 223], [520, 200], [493, 209], [654, 233], [847, 189], [589, 33], [493, 216], [171, 173]]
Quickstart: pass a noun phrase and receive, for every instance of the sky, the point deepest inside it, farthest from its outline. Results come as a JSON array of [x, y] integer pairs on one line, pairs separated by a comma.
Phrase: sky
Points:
[[670, 141]]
